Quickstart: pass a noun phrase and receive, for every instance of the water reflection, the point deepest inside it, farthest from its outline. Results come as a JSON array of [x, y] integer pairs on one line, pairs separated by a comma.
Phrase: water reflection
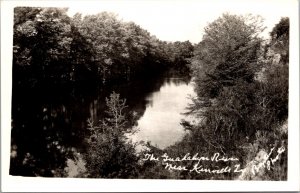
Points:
[[160, 123], [48, 121]]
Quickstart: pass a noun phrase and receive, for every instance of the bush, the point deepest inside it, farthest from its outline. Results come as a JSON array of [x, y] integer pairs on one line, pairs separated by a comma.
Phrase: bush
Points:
[[109, 154]]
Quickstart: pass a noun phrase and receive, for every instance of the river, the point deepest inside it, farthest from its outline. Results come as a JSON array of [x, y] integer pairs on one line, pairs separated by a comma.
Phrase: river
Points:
[[48, 121], [160, 124]]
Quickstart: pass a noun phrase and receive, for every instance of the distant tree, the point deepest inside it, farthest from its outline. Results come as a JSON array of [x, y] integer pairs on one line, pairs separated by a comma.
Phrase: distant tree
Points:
[[280, 39], [182, 53], [119, 48]]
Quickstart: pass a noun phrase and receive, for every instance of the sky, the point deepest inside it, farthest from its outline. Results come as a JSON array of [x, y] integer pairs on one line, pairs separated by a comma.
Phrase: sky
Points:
[[178, 20]]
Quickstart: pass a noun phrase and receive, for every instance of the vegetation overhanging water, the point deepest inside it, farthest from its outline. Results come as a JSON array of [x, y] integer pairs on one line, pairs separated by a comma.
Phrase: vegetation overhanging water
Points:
[[81, 86]]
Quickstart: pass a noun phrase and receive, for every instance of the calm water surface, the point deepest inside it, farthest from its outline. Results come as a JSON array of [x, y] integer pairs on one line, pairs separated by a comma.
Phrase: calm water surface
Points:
[[160, 124], [49, 120]]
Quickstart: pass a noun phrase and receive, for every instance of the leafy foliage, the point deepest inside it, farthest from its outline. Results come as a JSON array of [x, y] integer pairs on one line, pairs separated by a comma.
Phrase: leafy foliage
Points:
[[96, 47], [237, 88], [109, 153], [224, 67]]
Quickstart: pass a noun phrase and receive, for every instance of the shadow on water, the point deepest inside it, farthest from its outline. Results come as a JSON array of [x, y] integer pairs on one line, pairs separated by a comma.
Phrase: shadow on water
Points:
[[49, 120], [46, 121]]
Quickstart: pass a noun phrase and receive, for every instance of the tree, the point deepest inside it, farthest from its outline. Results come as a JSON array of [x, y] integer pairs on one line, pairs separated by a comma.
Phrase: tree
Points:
[[270, 117], [41, 47], [115, 112], [224, 66], [280, 39], [42, 41], [109, 153], [276, 75], [228, 53]]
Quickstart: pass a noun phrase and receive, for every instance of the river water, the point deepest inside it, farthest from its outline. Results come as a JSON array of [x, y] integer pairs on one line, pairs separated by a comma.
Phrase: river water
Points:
[[160, 123], [47, 121]]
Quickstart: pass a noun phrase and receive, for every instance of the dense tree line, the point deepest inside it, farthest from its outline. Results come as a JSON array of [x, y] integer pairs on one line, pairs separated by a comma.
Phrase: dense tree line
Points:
[[51, 46]]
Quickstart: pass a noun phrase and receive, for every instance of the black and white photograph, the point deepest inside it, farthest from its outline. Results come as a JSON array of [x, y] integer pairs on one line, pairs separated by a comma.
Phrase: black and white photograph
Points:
[[152, 90]]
